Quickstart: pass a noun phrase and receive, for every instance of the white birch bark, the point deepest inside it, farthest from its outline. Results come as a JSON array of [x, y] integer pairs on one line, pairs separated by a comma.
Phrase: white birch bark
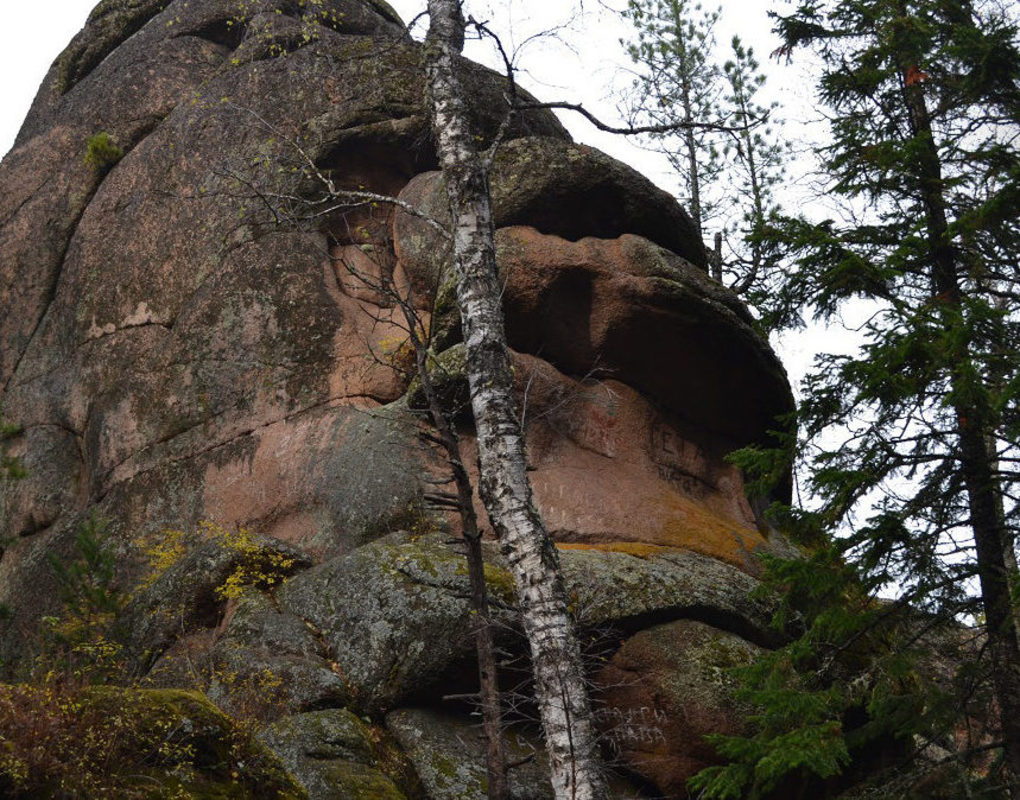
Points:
[[560, 689]]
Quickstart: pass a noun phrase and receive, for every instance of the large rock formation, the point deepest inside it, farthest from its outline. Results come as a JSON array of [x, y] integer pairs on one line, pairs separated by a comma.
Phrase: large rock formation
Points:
[[187, 333]]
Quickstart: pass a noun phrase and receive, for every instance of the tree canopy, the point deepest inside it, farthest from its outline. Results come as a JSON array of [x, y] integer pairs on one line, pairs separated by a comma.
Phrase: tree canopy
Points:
[[923, 163], [712, 129]]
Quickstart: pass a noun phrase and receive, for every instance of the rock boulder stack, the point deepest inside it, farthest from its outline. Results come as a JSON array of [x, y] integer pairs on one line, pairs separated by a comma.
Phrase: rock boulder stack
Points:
[[202, 349]]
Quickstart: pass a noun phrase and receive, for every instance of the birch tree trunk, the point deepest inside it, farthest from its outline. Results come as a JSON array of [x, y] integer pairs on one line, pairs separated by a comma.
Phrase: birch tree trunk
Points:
[[485, 645], [560, 690]]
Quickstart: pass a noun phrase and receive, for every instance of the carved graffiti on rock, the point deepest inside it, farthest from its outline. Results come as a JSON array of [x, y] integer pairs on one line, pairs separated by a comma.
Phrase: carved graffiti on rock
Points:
[[679, 461], [594, 420], [632, 728]]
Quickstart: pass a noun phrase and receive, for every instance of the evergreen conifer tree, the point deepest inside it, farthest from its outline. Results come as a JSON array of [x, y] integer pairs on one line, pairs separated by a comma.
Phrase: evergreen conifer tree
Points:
[[755, 161], [678, 83], [924, 162], [715, 133]]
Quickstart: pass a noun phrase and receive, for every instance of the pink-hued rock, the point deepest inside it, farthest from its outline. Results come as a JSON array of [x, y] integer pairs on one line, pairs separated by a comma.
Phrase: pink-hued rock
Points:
[[176, 348], [186, 334], [612, 471], [663, 691]]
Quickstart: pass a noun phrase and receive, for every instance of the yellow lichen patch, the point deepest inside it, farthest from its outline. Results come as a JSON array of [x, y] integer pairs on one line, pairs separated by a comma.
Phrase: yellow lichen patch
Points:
[[257, 565], [689, 525], [639, 549], [703, 532]]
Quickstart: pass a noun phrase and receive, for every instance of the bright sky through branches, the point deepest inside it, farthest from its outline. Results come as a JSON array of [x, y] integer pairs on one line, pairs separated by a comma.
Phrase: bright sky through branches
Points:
[[581, 60]]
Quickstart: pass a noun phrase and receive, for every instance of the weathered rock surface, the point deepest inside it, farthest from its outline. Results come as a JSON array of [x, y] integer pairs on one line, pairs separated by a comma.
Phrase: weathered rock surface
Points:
[[185, 337], [333, 754], [664, 690], [270, 652], [187, 594], [387, 622], [392, 615], [448, 753]]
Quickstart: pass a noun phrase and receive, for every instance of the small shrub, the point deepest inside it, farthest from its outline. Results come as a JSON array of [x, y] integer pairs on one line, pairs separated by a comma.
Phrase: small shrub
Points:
[[258, 566], [102, 152], [164, 550], [80, 642]]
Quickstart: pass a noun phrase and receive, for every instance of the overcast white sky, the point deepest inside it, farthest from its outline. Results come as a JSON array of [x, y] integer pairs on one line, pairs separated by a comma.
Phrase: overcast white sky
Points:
[[588, 64]]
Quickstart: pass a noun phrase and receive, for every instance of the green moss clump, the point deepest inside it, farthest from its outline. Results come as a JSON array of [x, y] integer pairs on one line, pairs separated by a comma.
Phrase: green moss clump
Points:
[[448, 371], [500, 584], [359, 782], [63, 741], [102, 152]]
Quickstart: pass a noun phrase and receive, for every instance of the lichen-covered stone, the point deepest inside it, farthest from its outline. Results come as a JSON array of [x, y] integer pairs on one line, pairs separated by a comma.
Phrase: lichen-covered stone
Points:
[[448, 754], [663, 691], [661, 583], [448, 374], [333, 755], [270, 655], [393, 615]]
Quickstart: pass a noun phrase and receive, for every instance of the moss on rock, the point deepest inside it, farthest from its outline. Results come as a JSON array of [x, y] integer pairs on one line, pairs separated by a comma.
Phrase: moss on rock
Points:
[[337, 756], [448, 371], [130, 743]]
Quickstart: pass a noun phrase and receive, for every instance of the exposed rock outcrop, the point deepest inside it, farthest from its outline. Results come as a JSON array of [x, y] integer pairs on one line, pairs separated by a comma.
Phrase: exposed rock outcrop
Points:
[[185, 336], [335, 756], [666, 688]]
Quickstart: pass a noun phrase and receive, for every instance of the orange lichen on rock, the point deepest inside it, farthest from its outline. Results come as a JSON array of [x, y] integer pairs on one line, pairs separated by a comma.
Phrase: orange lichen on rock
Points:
[[688, 525], [692, 526]]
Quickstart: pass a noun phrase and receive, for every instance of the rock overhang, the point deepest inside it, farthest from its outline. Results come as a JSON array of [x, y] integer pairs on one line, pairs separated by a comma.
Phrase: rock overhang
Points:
[[172, 328], [175, 353]]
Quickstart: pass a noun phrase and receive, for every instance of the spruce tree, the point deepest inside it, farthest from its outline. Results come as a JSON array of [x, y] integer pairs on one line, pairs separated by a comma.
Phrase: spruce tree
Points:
[[924, 168]]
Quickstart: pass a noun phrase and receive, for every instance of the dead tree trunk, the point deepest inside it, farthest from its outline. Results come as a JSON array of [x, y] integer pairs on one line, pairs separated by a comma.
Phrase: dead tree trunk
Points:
[[485, 646], [560, 689]]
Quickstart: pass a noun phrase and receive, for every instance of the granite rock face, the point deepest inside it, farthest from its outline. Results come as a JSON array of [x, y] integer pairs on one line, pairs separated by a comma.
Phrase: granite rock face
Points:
[[664, 690], [188, 334]]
